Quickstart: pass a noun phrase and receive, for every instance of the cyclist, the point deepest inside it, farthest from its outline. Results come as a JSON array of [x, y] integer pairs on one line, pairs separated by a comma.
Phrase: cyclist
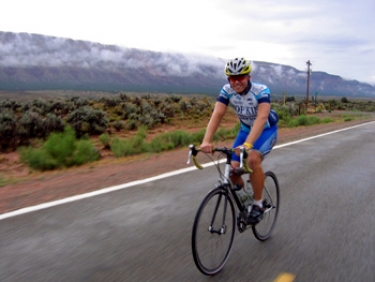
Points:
[[258, 131]]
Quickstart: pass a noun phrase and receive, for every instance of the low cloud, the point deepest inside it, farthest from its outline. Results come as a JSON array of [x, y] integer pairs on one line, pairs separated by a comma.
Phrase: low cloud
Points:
[[28, 50]]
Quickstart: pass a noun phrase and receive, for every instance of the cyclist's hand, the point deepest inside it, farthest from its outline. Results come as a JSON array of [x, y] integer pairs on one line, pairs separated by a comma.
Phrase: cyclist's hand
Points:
[[207, 147], [237, 150]]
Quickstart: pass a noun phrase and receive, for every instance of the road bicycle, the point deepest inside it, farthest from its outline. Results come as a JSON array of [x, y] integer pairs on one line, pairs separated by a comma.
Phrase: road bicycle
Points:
[[217, 218]]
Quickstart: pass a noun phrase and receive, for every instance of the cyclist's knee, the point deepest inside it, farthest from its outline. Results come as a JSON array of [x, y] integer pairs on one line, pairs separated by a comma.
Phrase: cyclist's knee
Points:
[[255, 159]]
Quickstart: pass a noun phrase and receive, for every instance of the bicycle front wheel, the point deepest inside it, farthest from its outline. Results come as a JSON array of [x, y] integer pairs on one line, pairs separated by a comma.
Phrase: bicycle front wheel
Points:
[[263, 230], [213, 231]]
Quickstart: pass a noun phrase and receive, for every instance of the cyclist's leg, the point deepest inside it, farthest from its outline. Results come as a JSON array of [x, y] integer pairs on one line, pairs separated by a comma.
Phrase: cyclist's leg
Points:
[[261, 148], [266, 141]]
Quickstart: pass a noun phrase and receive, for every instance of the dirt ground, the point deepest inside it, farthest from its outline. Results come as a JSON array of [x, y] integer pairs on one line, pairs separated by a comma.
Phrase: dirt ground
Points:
[[34, 188]]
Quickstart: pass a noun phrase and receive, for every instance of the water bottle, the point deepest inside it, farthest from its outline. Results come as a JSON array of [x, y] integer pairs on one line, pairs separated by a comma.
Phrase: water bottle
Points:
[[249, 191], [246, 195]]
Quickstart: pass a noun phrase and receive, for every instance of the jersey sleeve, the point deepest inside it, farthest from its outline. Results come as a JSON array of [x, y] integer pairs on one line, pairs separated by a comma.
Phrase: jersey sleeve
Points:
[[224, 95], [263, 94]]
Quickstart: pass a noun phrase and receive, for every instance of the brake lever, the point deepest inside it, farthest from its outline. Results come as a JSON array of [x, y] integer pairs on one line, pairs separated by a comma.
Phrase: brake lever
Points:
[[242, 150], [189, 156]]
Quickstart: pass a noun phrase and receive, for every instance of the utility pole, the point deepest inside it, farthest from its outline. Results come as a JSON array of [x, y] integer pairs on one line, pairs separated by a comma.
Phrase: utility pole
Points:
[[308, 81]]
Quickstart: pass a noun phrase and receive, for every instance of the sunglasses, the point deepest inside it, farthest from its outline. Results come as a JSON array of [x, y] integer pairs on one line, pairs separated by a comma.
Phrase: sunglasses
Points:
[[235, 78]]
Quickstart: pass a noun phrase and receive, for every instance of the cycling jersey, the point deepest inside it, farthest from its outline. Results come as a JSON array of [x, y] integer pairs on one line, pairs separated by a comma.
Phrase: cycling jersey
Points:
[[246, 105]]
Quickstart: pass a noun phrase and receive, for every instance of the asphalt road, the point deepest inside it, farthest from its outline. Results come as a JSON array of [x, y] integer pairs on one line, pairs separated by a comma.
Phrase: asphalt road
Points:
[[325, 230]]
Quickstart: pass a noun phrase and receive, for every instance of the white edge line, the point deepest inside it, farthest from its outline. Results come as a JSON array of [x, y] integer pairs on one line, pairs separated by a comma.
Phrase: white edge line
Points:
[[321, 135], [138, 182]]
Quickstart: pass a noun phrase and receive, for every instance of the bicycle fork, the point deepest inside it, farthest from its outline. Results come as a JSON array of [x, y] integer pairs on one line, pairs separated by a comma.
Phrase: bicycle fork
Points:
[[223, 228]]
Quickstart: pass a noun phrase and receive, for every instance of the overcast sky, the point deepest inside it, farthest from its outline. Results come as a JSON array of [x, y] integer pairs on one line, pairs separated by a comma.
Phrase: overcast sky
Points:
[[337, 36]]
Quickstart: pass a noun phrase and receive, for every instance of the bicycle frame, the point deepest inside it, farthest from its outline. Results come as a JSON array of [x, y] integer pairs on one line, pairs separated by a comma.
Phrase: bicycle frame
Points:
[[227, 184], [223, 228], [224, 180], [218, 218]]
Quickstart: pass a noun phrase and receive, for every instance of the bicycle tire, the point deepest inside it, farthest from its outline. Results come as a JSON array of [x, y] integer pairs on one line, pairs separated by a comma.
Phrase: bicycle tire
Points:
[[211, 248], [263, 230]]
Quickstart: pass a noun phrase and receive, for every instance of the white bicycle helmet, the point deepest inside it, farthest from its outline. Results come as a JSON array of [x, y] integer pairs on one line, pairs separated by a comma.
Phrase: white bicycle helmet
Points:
[[238, 66]]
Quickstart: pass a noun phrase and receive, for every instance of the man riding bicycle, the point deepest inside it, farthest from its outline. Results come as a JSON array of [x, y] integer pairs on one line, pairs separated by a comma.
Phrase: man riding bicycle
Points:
[[258, 131]]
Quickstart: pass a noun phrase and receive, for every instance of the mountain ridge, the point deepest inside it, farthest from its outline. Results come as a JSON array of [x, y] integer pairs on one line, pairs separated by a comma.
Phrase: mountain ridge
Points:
[[39, 62]]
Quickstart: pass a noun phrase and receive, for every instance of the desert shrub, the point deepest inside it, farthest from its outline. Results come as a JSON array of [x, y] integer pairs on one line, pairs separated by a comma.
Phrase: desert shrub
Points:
[[2, 182], [197, 137], [110, 102], [183, 106], [132, 146], [169, 141], [122, 147], [173, 99], [202, 107], [148, 120], [118, 111], [85, 153], [10, 105], [37, 158], [142, 132], [87, 120], [32, 124], [124, 97], [41, 106], [180, 138], [171, 109], [369, 108], [193, 101], [326, 120], [293, 123], [285, 114], [131, 124], [137, 143], [344, 100], [60, 150], [105, 140], [8, 129], [159, 144], [129, 109], [340, 106], [53, 123], [313, 120], [226, 133], [118, 125], [304, 120], [232, 133], [57, 107], [301, 120]]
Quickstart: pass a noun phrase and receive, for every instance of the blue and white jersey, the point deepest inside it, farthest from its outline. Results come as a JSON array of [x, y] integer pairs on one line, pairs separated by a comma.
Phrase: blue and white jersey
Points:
[[246, 105]]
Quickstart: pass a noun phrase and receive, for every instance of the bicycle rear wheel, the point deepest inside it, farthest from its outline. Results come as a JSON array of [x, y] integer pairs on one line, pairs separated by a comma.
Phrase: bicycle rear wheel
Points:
[[263, 230], [213, 231]]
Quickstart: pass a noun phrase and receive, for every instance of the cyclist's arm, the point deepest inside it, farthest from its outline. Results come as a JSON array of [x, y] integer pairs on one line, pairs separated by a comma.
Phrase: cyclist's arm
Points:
[[213, 125], [259, 123]]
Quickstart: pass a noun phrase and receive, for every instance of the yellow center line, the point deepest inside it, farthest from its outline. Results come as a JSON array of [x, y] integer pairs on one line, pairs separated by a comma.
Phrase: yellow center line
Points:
[[285, 277]]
